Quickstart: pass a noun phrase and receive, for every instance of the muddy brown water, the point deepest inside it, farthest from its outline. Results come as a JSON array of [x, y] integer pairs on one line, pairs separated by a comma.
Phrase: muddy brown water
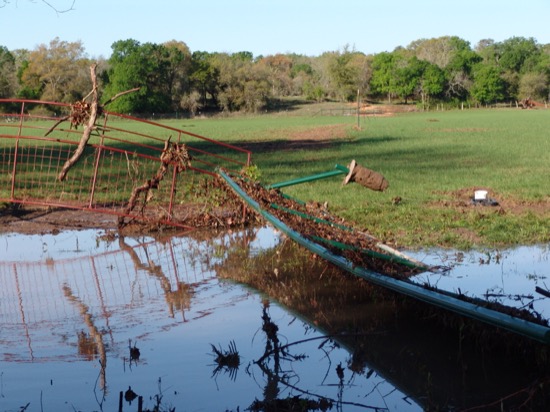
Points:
[[88, 320]]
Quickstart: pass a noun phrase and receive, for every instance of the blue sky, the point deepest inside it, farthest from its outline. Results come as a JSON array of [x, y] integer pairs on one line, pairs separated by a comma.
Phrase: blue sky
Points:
[[265, 27]]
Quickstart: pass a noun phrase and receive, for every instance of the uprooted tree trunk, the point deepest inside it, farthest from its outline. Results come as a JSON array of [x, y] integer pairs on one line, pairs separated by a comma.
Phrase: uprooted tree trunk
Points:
[[366, 177], [82, 112], [88, 128]]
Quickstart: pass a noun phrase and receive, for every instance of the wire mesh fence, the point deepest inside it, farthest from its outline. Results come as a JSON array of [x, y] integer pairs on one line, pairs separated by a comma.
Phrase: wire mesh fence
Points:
[[125, 158]]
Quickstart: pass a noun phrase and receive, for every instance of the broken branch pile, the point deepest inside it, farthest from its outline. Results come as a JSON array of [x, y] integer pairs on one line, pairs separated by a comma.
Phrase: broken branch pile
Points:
[[173, 154]]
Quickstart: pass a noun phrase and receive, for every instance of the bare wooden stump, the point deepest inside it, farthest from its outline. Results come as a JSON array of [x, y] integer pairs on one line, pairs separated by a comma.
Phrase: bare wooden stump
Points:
[[366, 177]]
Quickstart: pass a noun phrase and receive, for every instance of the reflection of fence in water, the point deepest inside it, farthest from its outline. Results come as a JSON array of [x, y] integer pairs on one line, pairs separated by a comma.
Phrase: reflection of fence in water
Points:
[[116, 288]]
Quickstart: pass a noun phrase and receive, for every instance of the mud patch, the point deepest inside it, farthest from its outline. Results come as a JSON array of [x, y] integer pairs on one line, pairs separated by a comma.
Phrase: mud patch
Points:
[[462, 199], [458, 129], [49, 220], [320, 137]]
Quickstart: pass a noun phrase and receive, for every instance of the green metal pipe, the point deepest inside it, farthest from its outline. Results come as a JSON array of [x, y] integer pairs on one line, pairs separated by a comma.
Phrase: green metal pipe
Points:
[[338, 170], [371, 253], [312, 218], [445, 300], [392, 253]]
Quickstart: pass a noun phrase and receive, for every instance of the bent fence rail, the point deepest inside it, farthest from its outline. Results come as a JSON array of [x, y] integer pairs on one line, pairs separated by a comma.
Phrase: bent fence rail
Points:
[[122, 153]]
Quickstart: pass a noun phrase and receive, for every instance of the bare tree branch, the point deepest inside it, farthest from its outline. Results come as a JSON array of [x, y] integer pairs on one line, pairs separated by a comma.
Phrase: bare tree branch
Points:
[[4, 3], [87, 129], [116, 96], [56, 9], [82, 112]]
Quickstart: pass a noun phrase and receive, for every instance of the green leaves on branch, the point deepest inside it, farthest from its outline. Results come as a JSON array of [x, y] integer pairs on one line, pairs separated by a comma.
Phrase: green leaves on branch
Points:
[[172, 79]]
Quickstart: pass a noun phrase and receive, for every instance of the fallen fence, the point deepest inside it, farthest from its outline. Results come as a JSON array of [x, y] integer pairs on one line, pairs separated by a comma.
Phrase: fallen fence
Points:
[[125, 160]]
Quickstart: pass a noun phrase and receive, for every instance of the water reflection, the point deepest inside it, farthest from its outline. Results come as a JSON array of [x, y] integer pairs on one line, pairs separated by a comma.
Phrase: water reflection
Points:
[[515, 277], [99, 322]]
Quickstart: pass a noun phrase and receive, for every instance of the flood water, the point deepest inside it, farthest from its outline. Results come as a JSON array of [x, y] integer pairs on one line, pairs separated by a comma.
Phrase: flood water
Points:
[[92, 321]]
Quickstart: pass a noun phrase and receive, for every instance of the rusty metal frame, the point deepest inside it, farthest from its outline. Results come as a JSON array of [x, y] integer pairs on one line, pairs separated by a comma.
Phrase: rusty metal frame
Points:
[[30, 161]]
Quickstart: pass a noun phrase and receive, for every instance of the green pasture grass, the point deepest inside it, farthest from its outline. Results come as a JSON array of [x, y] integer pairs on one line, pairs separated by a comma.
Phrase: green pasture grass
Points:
[[432, 160], [428, 158]]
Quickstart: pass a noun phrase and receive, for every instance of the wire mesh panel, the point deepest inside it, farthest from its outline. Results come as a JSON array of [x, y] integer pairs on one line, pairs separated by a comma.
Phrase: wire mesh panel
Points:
[[124, 164]]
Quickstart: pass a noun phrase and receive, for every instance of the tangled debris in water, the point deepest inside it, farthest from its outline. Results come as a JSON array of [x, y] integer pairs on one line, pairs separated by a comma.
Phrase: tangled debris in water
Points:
[[314, 222], [228, 360]]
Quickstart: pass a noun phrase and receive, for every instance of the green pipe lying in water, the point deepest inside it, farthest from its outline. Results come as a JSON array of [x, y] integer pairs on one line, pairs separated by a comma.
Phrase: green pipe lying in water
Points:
[[444, 299]]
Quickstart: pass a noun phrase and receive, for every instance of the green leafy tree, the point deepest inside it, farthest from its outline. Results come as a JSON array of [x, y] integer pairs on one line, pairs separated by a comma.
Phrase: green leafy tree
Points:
[[398, 73], [8, 78], [488, 85], [57, 72], [514, 57], [432, 83], [514, 53], [459, 73], [146, 66], [204, 77], [408, 75], [455, 57], [383, 79]]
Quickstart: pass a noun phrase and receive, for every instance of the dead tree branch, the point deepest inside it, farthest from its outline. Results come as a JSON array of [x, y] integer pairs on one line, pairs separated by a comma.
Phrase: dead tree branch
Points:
[[116, 96], [4, 3], [87, 129], [173, 154], [82, 112]]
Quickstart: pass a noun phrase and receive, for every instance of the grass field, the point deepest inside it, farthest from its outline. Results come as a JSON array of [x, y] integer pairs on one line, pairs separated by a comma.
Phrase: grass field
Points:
[[434, 161]]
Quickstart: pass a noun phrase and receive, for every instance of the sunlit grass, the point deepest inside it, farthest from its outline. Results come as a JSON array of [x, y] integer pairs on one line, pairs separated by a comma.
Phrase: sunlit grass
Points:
[[426, 157]]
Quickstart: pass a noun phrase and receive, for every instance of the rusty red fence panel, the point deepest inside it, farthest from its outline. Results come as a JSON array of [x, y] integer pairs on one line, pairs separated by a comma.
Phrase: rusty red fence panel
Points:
[[122, 153]]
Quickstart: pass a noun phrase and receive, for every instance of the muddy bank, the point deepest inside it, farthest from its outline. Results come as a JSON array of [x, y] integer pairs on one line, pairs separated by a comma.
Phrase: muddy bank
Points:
[[47, 220]]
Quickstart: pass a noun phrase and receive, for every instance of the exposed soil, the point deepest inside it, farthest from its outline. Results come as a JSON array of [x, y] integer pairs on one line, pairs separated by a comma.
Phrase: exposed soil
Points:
[[461, 200], [312, 138], [37, 220]]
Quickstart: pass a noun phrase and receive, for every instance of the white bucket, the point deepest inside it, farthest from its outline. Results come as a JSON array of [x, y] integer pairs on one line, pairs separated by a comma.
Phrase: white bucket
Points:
[[480, 195]]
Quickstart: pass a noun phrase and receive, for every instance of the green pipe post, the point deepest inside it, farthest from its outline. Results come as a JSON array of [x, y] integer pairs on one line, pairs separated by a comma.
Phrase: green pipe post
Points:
[[338, 170]]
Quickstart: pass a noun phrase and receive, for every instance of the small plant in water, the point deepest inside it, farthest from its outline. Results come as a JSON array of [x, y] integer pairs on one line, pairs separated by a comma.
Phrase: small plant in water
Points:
[[134, 351], [228, 360]]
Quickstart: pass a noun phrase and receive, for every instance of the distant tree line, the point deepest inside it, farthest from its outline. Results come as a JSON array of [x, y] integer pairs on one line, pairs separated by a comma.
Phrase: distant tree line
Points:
[[172, 79]]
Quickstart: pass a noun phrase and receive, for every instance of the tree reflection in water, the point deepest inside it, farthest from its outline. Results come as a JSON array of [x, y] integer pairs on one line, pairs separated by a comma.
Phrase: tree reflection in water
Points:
[[325, 340], [276, 366], [88, 346], [440, 360]]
